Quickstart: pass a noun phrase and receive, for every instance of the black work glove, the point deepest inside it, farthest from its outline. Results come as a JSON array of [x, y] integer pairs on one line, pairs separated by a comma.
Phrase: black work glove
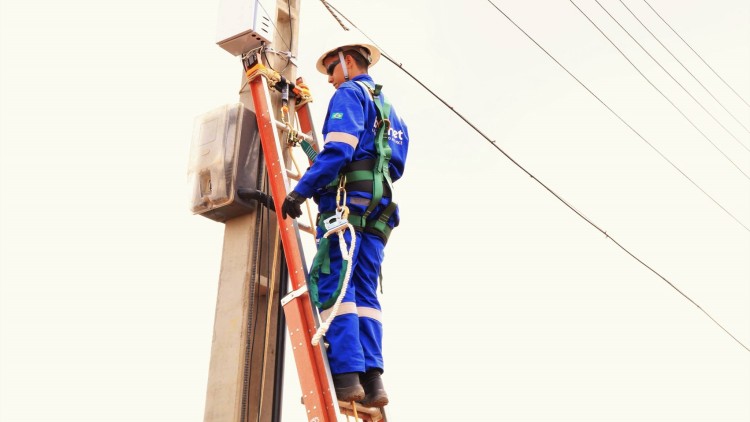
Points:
[[292, 205]]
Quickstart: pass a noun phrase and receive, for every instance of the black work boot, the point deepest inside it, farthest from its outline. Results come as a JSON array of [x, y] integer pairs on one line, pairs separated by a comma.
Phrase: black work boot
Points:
[[375, 395], [348, 387]]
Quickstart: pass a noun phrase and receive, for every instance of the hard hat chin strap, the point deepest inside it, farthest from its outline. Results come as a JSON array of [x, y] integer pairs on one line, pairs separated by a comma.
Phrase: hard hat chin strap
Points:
[[343, 65]]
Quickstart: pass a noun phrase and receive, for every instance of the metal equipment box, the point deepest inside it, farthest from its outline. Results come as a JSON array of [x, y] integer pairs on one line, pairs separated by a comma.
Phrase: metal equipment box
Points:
[[224, 157], [244, 24]]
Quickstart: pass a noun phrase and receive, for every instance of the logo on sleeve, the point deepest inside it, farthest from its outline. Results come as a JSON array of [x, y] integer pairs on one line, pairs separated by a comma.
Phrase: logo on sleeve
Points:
[[337, 116]]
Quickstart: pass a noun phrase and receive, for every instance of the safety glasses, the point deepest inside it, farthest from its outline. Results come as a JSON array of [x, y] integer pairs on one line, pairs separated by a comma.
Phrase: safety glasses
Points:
[[331, 67]]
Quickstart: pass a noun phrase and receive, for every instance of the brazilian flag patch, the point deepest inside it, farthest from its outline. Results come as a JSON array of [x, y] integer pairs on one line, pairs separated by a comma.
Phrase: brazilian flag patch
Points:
[[337, 116]]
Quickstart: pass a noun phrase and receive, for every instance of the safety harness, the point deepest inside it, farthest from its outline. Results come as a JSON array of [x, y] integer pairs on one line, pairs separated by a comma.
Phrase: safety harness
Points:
[[371, 175], [336, 224]]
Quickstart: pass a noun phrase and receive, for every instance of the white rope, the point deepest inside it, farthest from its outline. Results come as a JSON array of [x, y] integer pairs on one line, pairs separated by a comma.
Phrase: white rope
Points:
[[346, 256]]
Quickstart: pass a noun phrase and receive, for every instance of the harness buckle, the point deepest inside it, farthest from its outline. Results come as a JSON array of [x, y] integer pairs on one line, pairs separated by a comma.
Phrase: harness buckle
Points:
[[337, 221]]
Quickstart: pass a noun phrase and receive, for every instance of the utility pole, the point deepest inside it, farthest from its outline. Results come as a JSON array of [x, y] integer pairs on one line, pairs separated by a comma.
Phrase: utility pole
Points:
[[244, 371]]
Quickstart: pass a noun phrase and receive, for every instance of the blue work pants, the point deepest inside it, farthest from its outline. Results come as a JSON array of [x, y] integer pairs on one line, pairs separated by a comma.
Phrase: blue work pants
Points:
[[355, 337]]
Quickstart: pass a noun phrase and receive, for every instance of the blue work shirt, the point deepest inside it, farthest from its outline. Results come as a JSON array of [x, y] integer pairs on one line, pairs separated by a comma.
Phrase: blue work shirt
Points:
[[352, 116]]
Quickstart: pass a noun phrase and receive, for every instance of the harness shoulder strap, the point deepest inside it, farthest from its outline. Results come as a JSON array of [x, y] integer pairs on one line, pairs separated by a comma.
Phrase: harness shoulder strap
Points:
[[381, 171]]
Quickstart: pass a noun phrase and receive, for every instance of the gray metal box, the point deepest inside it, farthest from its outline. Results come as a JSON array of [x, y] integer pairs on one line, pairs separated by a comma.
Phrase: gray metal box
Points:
[[224, 157], [244, 24]]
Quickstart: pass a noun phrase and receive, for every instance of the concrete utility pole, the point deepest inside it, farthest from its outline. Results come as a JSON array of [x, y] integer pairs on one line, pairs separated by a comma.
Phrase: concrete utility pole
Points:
[[242, 377]]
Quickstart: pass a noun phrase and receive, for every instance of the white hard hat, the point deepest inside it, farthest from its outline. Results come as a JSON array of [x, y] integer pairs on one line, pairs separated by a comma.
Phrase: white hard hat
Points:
[[368, 51]]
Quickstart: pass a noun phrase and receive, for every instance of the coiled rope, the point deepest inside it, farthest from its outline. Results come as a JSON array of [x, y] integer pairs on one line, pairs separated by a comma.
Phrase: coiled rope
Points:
[[347, 257]]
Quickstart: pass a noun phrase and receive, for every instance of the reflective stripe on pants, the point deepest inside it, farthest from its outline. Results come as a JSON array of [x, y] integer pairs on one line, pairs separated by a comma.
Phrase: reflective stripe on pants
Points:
[[355, 336]]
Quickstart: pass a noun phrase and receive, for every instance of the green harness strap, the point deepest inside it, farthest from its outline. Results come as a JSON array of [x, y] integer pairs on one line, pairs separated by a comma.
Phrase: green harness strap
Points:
[[379, 174], [309, 150], [381, 171], [322, 264]]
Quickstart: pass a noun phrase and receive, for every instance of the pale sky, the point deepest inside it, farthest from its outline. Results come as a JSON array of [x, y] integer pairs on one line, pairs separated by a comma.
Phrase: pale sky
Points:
[[500, 303]]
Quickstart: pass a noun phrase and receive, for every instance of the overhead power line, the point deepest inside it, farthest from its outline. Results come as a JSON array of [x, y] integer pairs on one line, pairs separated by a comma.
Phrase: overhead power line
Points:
[[656, 88], [696, 53], [522, 168], [688, 71], [333, 13], [620, 118]]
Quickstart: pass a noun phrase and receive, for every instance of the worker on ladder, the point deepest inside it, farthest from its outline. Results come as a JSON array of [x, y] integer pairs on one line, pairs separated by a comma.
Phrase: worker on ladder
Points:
[[364, 152]]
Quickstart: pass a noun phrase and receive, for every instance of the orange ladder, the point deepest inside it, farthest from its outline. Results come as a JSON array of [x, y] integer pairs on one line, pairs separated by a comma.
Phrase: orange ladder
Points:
[[302, 320]]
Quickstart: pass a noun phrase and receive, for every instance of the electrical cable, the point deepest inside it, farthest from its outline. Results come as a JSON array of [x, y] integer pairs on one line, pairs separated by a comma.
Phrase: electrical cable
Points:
[[268, 62], [288, 45], [567, 204], [688, 71], [656, 88], [263, 238], [552, 192], [291, 36], [620, 118], [271, 268], [385, 54], [670, 75], [331, 11], [253, 302], [291, 27], [696, 53], [278, 384], [288, 55]]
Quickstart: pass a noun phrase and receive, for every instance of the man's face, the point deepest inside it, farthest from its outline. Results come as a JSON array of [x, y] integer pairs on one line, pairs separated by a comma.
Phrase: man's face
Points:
[[334, 69]]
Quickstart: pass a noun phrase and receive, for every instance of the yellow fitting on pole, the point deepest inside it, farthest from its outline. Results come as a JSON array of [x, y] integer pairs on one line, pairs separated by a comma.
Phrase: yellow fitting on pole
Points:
[[260, 69]]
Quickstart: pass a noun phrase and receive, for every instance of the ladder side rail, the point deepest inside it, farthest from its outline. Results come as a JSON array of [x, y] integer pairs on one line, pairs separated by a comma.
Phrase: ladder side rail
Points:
[[306, 126], [310, 361], [365, 414], [304, 117]]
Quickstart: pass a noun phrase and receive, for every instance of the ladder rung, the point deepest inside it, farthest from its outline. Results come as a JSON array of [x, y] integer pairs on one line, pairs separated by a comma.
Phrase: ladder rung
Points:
[[372, 414], [282, 126], [293, 175], [305, 228]]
